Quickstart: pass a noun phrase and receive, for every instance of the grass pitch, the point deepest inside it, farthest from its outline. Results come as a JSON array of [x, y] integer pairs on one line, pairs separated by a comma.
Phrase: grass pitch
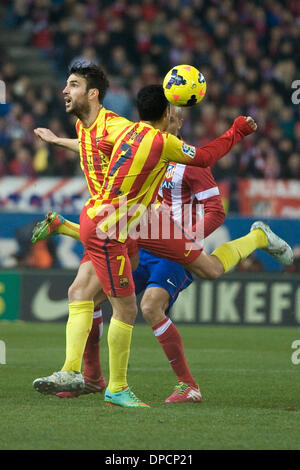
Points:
[[250, 389]]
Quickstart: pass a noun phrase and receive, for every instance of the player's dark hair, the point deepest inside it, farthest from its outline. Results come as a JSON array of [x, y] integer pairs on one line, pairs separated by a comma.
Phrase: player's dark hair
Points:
[[94, 75], [151, 103]]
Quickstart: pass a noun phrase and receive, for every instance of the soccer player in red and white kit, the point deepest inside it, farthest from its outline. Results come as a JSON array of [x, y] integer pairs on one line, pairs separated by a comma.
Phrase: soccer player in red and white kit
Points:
[[183, 188]]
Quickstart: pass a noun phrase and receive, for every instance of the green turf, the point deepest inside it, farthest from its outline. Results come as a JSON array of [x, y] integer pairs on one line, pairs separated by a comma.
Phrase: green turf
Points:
[[250, 387]]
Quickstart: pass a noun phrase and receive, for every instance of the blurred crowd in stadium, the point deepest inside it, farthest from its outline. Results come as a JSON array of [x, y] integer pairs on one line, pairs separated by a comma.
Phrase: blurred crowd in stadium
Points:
[[249, 53]]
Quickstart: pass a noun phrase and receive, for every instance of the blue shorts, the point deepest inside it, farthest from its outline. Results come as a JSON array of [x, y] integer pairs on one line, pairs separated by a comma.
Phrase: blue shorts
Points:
[[154, 271]]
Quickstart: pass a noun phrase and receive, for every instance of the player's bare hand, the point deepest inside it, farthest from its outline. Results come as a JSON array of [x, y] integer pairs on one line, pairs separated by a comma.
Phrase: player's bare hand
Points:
[[251, 123], [46, 135]]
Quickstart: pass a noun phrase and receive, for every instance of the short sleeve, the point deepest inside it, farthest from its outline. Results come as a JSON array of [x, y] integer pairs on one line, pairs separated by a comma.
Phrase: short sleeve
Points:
[[178, 151]]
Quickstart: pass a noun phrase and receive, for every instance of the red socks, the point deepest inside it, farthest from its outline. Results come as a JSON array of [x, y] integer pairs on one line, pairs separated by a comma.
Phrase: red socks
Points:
[[165, 332], [91, 355], [171, 342]]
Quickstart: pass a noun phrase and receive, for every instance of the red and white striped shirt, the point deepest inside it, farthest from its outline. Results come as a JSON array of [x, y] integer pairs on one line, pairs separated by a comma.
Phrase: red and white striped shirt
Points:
[[192, 193]]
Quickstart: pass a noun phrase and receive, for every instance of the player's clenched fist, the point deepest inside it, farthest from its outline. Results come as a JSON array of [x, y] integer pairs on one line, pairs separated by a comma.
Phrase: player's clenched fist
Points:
[[251, 123], [244, 125]]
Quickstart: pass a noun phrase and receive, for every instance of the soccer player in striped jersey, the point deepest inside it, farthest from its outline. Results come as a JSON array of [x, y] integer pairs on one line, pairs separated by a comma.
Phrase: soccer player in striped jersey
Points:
[[183, 187], [160, 279], [83, 94]]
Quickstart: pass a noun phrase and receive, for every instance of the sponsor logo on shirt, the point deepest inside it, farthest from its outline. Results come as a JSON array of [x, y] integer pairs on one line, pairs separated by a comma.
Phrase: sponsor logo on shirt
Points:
[[188, 150], [168, 185]]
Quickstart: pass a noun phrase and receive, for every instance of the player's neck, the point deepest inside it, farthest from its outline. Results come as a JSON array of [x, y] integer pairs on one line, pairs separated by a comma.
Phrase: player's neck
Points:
[[157, 125], [88, 118]]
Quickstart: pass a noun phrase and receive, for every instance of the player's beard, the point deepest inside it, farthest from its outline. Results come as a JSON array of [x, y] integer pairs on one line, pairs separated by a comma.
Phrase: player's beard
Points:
[[80, 110]]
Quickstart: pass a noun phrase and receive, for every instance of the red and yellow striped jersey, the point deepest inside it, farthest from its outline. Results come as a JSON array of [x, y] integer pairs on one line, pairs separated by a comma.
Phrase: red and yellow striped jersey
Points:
[[93, 162], [136, 169], [137, 166]]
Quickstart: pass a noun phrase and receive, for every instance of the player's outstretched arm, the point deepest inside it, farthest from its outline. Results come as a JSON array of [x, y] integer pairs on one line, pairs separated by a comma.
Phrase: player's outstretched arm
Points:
[[48, 136], [178, 151]]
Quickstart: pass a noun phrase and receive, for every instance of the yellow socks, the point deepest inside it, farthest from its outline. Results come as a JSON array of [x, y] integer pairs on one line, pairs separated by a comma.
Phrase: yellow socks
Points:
[[119, 340], [231, 253], [77, 331], [70, 229]]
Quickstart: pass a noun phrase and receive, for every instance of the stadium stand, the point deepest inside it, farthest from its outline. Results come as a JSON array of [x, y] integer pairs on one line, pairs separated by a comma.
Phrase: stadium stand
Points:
[[249, 54]]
